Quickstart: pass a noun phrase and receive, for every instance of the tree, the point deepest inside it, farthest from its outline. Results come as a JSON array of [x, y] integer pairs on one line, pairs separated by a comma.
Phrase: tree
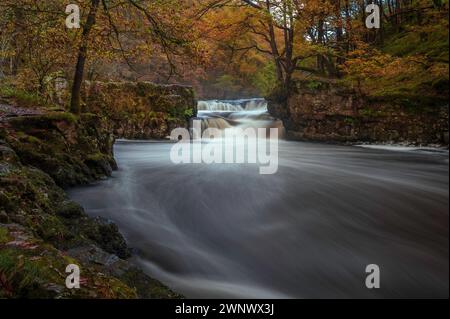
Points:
[[34, 42], [280, 30], [82, 55], [165, 33]]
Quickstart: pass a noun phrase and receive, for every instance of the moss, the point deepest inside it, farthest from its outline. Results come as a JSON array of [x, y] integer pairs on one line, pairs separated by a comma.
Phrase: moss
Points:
[[99, 164], [147, 287], [432, 42], [31, 266], [30, 139], [31, 269], [372, 113], [62, 116], [40, 154], [4, 235], [411, 100], [113, 288], [69, 209], [46, 121], [188, 113], [10, 282], [24, 277], [314, 85], [134, 108], [410, 66], [39, 272], [51, 228], [71, 152], [23, 98], [96, 157], [145, 88], [350, 121], [32, 199], [107, 236]]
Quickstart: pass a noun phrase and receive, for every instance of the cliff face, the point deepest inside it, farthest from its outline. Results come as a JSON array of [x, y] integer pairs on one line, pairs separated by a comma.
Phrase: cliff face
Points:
[[41, 230], [141, 110], [334, 114]]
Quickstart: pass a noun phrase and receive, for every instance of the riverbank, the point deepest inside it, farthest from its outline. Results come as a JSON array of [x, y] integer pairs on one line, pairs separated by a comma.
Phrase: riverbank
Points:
[[41, 230], [333, 113]]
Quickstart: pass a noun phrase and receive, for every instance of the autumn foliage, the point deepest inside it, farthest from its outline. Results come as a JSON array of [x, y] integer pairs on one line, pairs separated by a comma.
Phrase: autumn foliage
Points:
[[232, 48]]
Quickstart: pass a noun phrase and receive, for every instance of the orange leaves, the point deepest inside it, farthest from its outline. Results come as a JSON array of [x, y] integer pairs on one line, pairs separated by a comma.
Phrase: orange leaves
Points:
[[376, 73]]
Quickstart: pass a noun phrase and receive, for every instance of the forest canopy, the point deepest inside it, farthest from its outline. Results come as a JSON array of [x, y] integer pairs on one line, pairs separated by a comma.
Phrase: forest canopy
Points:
[[229, 48]]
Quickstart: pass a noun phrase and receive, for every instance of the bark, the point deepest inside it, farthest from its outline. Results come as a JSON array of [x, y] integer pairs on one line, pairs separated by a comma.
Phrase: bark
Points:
[[82, 55]]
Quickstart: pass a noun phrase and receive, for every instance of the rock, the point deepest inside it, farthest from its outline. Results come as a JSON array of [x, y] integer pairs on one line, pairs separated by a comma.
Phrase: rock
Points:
[[40, 154], [141, 110], [70, 209], [110, 264], [37, 270], [93, 254], [106, 234], [4, 219], [99, 165], [332, 113], [7, 154], [5, 169], [73, 152]]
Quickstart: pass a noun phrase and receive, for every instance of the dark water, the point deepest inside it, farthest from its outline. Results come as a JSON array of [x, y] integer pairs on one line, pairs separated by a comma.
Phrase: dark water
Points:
[[307, 232]]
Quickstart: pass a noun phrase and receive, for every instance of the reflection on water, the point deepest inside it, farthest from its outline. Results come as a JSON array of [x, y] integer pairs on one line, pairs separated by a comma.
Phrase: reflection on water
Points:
[[308, 232]]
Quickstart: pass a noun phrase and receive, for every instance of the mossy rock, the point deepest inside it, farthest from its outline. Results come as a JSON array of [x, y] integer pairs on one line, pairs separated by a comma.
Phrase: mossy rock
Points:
[[32, 269], [40, 155], [72, 152], [45, 121], [69, 209], [106, 234], [141, 110]]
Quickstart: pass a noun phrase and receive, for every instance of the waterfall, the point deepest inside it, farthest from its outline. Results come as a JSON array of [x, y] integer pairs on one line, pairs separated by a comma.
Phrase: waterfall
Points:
[[233, 105], [218, 106], [243, 113]]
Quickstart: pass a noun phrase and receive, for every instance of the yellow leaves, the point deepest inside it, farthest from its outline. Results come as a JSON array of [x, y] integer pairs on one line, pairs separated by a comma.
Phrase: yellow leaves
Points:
[[377, 73], [440, 70]]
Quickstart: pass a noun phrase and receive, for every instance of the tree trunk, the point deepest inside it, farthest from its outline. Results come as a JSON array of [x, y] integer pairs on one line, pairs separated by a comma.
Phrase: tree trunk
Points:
[[320, 41], [82, 54]]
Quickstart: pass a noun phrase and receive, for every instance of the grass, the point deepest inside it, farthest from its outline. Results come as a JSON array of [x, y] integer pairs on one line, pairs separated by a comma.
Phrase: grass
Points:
[[23, 98]]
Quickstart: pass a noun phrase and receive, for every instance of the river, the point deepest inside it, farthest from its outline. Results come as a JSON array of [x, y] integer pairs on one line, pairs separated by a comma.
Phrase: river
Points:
[[309, 231]]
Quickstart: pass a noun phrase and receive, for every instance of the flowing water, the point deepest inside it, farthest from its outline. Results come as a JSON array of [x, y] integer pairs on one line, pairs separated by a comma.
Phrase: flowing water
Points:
[[224, 230], [251, 113]]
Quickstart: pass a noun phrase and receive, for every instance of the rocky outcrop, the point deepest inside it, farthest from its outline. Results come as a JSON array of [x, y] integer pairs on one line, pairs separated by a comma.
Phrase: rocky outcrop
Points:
[[31, 268], [141, 110], [330, 113], [72, 150], [42, 230]]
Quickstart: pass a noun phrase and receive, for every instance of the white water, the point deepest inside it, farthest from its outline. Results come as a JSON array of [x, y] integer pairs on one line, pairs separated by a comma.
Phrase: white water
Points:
[[256, 104], [243, 114], [403, 148]]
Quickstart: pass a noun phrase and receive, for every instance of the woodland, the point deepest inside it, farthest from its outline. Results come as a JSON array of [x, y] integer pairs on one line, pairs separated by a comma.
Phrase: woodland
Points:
[[227, 48]]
